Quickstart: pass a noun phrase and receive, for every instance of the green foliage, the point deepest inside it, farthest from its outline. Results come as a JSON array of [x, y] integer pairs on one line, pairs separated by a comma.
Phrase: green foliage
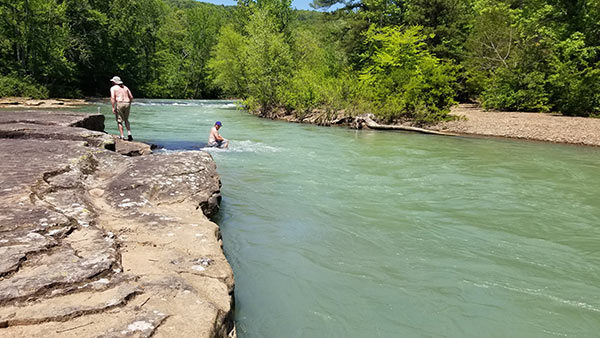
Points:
[[268, 59], [228, 61], [274, 66], [184, 4], [255, 61], [183, 51], [509, 90], [314, 83], [88, 45], [574, 79], [133, 36], [402, 79], [447, 23], [531, 61], [515, 69], [206, 22], [33, 36], [12, 85], [171, 58], [278, 12], [384, 12], [535, 55], [492, 39], [514, 61]]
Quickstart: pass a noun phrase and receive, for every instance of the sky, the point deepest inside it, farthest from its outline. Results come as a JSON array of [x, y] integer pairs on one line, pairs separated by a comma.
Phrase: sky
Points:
[[298, 4]]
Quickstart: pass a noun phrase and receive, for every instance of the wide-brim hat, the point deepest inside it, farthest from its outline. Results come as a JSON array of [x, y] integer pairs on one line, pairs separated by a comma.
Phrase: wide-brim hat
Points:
[[116, 80]]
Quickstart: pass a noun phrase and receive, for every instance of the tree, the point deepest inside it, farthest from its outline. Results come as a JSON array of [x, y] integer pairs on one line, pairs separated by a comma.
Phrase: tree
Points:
[[402, 78], [183, 51], [132, 32], [260, 55], [574, 82], [87, 45], [269, 61], [205, 23], [171, 59], [35, 38], [446, 22], [227, 64]]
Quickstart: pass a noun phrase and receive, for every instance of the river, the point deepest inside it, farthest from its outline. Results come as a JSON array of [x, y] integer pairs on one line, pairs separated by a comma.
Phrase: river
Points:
[[333, 232]]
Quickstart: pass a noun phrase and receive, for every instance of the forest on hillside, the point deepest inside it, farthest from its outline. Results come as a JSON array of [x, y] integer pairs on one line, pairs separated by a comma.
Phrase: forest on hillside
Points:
[[398, 59]]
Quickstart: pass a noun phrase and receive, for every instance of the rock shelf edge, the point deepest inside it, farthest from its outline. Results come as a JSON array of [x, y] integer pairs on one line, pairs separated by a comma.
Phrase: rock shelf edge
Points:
[[102, 238]]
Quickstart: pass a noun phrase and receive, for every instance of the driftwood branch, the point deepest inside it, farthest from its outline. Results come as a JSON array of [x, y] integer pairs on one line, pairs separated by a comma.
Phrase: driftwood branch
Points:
[[374, 125]]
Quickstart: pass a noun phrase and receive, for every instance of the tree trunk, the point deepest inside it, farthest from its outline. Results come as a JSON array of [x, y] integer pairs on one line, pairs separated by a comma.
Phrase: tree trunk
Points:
[[366, 120]]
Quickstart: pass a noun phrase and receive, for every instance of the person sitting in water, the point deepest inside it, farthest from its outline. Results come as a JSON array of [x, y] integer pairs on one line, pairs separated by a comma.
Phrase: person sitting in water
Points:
[[216, 140]]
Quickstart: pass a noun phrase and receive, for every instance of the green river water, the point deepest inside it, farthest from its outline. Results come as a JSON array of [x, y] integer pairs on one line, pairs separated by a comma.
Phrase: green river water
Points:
[[333, 232]]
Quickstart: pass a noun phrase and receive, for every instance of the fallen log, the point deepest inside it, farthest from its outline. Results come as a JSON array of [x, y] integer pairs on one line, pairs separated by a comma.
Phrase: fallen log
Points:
[[365, 120]]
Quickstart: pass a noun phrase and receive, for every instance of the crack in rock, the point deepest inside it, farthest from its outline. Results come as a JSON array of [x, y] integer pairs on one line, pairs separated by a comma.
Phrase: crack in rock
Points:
[[60, 309]]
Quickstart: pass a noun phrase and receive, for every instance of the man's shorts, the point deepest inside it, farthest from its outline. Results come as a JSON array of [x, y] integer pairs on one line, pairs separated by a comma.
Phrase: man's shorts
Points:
[[122, 110], [217, 144]]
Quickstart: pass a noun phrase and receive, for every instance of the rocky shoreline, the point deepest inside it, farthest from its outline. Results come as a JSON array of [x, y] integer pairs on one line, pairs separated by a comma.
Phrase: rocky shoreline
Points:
[[98, 244]]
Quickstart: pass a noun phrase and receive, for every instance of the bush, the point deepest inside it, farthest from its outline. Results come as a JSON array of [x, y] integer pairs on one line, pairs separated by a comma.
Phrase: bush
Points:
[[12, 85], [563, 78], [575, 79], [510, 89]]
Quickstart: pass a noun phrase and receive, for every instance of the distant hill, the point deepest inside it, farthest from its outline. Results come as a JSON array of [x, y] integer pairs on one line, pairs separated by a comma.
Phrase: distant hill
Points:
[[305, 16], [185, 4], [302, 15]]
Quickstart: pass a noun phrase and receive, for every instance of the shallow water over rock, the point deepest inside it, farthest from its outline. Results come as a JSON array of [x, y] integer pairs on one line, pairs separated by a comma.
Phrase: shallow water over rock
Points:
[[334, 232]]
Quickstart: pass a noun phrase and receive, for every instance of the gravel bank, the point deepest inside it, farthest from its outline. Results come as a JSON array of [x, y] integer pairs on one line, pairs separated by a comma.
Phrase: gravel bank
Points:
[[531, 126]]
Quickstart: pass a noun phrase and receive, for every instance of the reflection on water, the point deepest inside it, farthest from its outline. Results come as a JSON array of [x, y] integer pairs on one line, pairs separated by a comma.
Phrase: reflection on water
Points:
[[334, 232]]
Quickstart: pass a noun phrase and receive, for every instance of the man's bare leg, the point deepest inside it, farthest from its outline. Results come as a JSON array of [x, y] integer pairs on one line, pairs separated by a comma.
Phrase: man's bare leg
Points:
[[128, 130], [121, 130]]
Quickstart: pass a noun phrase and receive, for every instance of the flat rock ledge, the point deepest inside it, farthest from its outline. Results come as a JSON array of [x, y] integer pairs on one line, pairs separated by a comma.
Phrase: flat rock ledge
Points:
[[98, 244]]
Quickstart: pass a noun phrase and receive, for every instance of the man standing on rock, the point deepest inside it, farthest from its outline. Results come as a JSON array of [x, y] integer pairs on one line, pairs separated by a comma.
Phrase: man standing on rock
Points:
[[120, 99]]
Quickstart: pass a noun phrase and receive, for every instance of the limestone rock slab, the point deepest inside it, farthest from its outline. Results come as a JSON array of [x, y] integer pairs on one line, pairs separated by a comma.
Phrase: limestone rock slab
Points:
[[97, 244]]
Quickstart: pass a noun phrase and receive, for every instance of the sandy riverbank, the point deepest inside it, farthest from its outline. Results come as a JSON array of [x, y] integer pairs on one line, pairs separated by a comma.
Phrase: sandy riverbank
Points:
[[530, 126]]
